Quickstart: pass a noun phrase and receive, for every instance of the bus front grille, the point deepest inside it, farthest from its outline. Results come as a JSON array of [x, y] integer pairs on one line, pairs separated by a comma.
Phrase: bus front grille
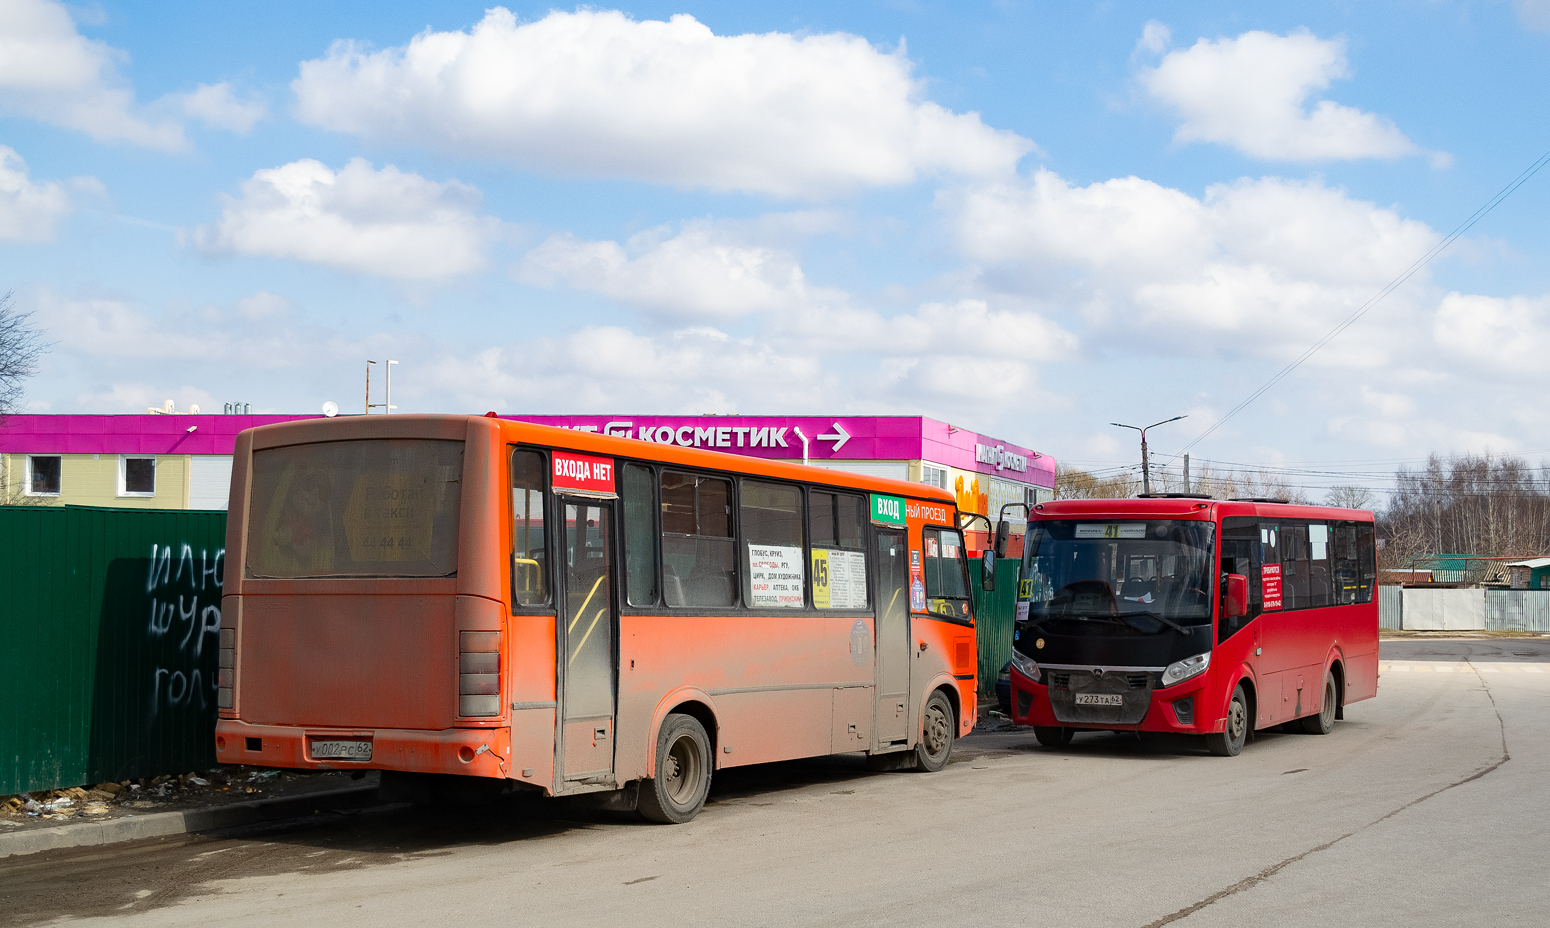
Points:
[[1134, 690]]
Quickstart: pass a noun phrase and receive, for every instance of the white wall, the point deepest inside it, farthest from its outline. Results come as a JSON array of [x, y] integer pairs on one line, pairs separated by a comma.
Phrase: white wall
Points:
[[209, 481], [1444, 610]]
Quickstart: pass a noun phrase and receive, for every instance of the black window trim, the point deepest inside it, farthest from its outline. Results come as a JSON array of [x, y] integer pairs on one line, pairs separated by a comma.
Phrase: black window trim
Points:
[[550, 565], [968, 583]]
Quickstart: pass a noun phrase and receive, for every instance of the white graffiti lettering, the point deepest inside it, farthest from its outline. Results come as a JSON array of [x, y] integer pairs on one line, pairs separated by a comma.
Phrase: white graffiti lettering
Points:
[[187, 598]]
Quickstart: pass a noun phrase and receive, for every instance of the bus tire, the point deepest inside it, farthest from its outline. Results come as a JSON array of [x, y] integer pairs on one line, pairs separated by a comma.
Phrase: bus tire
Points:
[[1324, 721], [936, 734], [677, 792], [1229, 741], [1053, 736]]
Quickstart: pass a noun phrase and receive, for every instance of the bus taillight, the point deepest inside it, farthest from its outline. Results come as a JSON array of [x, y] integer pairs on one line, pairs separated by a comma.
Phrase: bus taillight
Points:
[[228, 667], [479, 674]]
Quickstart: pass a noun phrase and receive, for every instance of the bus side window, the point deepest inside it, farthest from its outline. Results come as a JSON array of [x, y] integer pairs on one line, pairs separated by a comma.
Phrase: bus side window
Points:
[[1343, 563], [771, 524], [1241, 546], [1366, 559], [640, 536], [1295, 566], [698, 562], [1321, 586], [529, 543], [838, 524]]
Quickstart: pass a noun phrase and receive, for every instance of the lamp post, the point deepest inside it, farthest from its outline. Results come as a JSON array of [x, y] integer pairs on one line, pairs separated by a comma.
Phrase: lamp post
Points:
[[1146, 471]]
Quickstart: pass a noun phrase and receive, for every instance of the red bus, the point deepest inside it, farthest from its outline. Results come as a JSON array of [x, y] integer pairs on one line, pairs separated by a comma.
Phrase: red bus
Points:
[[1191, 615], [575, 613]]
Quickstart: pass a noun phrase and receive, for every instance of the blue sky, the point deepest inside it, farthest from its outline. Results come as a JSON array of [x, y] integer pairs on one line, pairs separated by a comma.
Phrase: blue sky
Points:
[[1027, 219]]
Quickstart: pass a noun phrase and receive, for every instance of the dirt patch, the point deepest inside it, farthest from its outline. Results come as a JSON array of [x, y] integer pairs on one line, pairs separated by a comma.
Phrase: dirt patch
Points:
[[218, 786]]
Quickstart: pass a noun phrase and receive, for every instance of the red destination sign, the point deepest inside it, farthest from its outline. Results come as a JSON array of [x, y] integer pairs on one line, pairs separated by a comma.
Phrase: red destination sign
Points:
[[583, 472], [1270, 580]]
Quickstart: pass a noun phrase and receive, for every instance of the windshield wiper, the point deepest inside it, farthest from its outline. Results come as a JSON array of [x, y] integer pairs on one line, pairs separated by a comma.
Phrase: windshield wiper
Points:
[[1166, 621]]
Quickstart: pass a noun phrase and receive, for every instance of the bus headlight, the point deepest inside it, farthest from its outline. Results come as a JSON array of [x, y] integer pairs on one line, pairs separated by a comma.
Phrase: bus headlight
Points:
[[1025, 665], [1179, 671]]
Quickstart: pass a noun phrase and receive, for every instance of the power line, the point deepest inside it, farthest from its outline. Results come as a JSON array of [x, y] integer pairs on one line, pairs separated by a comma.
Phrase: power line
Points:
[[1393, 285]]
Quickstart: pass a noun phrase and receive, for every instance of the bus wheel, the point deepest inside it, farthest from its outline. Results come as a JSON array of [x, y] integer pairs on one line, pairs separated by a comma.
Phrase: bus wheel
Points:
[[1053, 736], [1324, 722], [1229, 741], [936, 737], [677, 793]]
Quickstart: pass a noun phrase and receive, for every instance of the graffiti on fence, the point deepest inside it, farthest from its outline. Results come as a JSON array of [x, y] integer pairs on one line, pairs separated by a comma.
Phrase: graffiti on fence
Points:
[[185, 607]]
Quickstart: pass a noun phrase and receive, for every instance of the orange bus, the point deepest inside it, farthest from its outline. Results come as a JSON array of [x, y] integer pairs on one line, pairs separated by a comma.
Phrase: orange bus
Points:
[[575, 613]]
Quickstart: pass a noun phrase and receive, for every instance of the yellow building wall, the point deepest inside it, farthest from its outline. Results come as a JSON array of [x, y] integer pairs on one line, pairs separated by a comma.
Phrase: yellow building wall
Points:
[[92, 480]]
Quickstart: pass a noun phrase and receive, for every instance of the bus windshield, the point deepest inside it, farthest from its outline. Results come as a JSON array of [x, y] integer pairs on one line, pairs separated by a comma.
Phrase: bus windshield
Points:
[[364, 508], [1137, 576]]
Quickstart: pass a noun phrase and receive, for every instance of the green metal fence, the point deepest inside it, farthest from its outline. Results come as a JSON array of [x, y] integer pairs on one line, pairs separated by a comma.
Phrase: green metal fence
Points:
[[994, 614], [110, 623]]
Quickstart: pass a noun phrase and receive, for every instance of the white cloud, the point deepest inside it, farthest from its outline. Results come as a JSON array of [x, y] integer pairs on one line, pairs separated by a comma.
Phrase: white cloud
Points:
[[694, 370], [1155, 38], [596, 93], [1502, 335], [1278, 262], [263, 305], [50, 72], [1535, 14], [216, 105], [386, 222], [28, 211], [700, 272], [128, 398], [1252, 92]]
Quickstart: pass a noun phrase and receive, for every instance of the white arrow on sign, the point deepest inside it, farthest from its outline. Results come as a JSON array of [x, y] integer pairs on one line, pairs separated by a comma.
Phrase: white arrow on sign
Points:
[[839, 436]]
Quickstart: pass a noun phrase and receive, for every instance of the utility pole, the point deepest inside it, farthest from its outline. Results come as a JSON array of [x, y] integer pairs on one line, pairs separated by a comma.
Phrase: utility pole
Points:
[[387, 402], [1146, 470]]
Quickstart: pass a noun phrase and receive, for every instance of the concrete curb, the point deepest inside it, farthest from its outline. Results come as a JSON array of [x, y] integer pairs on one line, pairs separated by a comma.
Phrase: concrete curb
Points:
[[157, 824]]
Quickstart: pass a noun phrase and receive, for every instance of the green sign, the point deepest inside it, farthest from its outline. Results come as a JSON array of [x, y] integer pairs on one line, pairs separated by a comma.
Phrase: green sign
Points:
[[888, 510]]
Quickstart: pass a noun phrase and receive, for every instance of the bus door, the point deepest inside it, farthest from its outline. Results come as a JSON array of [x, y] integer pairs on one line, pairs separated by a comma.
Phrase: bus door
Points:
[[893, 637], [586, 643]]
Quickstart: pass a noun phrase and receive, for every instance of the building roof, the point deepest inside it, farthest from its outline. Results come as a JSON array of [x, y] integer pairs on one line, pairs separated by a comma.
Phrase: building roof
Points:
[[829, 438], [137, 434], [1532, 563]]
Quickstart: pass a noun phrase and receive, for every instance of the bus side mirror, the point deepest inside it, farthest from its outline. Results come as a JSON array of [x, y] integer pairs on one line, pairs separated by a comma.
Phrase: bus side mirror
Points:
[[1003, 533], [1237, 596], [988, 570]]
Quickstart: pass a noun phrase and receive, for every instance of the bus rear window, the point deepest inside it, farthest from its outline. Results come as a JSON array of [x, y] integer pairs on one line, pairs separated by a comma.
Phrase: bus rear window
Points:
[[385, 507]]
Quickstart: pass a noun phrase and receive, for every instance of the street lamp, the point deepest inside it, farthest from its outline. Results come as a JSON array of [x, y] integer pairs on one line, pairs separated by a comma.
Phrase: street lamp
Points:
[[1146, 471]]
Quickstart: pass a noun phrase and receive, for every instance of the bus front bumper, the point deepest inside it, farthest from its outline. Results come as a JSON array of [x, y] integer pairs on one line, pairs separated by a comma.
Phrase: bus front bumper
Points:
[[1176, 709], [479, 752]]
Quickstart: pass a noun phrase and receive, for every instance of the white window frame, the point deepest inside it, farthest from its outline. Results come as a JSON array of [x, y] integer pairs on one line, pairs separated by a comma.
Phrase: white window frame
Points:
[[930, 471], [27, 475], [123, 460]]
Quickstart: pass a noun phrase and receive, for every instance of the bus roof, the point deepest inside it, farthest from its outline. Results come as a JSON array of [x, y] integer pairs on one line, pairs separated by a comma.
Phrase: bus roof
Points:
[[512, 430], [1186, 507]]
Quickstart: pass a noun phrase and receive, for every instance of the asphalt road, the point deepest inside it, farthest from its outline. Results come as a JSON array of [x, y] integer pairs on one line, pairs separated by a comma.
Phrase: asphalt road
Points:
[[1426, 806]]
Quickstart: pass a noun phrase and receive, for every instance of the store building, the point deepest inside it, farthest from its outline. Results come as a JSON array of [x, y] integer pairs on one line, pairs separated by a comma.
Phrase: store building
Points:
[[985, 473], [143, 461], [184, 461]]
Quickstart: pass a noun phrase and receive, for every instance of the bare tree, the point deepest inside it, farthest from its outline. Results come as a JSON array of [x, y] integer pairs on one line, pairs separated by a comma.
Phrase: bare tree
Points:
[[1075, 483], [1482, 505], [1350, 497], [20, 347]]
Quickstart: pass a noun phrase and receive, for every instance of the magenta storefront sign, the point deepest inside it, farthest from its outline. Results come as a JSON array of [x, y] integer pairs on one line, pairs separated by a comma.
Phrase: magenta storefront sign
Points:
[[840, 438], [136, 434]]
